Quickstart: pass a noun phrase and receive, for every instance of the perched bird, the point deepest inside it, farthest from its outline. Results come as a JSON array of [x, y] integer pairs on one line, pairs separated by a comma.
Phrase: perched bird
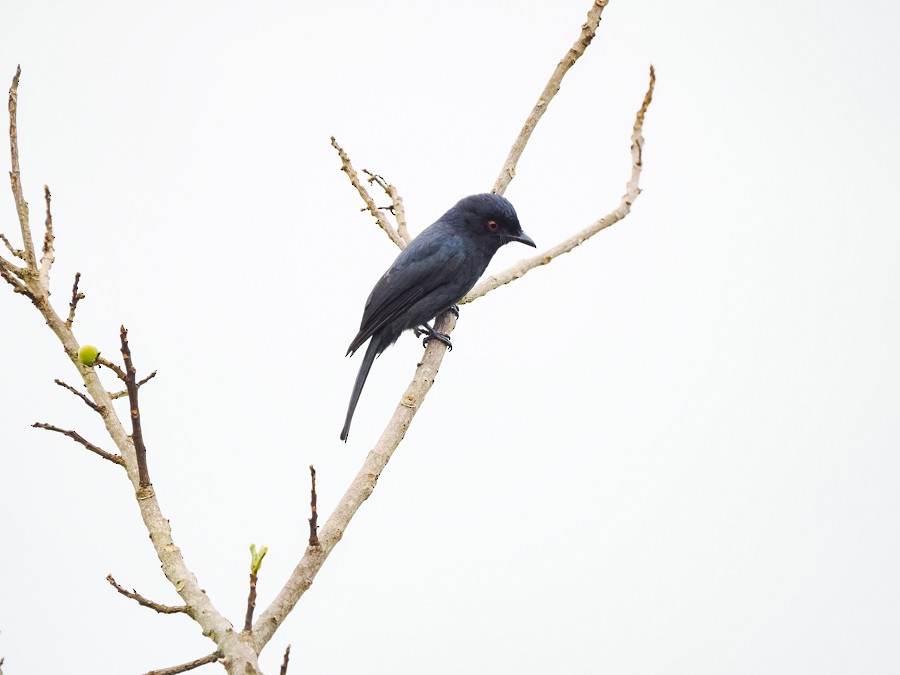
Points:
[[431, 275]]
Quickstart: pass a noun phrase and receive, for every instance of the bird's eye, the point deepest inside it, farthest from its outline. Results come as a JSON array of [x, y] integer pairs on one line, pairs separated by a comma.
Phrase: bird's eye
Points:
[[492, 225]]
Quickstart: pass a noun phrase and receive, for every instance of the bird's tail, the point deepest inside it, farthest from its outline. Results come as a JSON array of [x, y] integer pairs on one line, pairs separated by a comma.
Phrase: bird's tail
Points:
[[371, 352]]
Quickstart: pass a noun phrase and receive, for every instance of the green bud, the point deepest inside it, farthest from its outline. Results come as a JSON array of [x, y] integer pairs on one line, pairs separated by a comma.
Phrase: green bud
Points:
[[256, 557]]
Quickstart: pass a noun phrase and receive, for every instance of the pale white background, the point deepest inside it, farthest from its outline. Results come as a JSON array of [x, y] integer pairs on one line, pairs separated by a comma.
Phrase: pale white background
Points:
[[672, 451]]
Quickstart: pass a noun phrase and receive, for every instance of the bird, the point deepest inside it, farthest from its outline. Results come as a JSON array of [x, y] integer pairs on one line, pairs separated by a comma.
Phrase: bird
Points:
[[433, 272]]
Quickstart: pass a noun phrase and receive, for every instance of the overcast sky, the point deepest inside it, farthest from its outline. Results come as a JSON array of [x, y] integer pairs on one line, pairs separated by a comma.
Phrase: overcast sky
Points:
[[674, 450]]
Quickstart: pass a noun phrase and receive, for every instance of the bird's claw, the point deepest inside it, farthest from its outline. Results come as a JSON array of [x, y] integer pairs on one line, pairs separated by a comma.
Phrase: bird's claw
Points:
[[440, 337], [431, 334], [454, 309]]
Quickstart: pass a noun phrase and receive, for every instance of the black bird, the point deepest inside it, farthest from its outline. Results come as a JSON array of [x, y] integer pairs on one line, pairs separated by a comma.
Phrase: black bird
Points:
[[431, 275]]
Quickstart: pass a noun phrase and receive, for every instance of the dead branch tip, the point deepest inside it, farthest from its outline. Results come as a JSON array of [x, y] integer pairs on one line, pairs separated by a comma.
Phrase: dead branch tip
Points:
[[144, 602], [284, 661], [314, 517], [190, 665], [78, 438]]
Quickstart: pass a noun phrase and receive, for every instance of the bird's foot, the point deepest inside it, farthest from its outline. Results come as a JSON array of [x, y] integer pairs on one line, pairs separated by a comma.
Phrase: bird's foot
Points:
[[431, 334], [454, 309]]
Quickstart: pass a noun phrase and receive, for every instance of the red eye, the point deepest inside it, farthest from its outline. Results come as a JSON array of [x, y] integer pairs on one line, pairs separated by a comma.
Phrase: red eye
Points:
[[492, 225]]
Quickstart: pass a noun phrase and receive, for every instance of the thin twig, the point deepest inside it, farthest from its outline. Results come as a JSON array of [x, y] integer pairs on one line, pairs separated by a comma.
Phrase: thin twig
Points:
[[124, 392], [256, 558], [141, 600], [314, 517], [383, 223], [588, 30], [397, 207], [47, 256], [116, 369], [190, 665], [17, 252], [284, 662], [15, 178], [73, 303], [78, 438], [251, 603], [93, 406], [632, 191], [137, 434], [141, 383], [12, 275]]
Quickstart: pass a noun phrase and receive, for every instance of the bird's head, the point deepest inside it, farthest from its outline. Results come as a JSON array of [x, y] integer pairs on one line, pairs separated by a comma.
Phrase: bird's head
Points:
[[492, 219]]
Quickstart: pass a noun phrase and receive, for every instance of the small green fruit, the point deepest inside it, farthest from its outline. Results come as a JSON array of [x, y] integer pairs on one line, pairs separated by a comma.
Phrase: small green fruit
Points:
[[88, 354]]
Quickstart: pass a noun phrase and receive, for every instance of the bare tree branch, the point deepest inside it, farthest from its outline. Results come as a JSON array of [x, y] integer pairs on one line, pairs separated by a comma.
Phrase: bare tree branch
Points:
[[632, 191], [284, 662], [256, 558], [47, 256], [239, 651], [73, 303], [251, 604], [240, 655], [141, 600], [12, 274], [15, 178], [190, 665], [116, 369], [314, 514], [364, 482], [358, 491], [397, 207], [16, 252], [93, 406], [588, 30], [141, 383], [137, 434], [78, 438], [383, 223]]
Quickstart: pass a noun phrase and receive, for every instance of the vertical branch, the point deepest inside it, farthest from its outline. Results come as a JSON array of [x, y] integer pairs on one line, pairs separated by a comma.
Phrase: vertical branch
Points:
[[15, 178], [256, 558], [137, 435], [284, 662], [632, 190], [314, 514], [47, 250], [73, 303], [251, 604]]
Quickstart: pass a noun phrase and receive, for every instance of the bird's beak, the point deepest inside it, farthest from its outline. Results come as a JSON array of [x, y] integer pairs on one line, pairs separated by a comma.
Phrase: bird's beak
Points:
[[524, 239]]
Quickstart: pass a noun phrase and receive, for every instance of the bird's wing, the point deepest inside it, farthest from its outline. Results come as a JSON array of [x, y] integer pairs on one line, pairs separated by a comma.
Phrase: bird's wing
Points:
[[418, 271]]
